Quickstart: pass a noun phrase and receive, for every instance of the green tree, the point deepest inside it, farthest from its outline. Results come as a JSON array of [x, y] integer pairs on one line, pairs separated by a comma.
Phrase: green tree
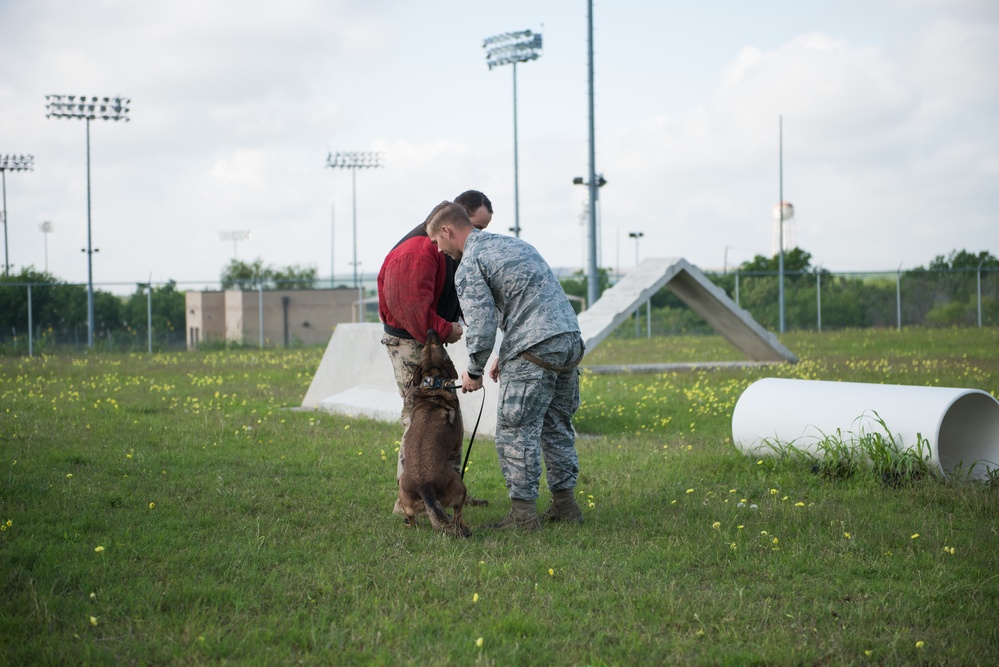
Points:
[[946, 293], [58, 309], [577, 285], [107, 313], [240, 275], [759, 289], [167, 308], [796, 260], [962, 259], [47, 307], [295, 277], [244, 276]]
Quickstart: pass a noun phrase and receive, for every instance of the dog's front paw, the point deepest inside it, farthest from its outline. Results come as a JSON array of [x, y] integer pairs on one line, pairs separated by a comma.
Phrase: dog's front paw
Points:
[[462, 531]]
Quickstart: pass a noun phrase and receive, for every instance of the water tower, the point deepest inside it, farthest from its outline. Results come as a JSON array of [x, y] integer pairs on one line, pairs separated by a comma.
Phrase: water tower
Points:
[[784, 212]]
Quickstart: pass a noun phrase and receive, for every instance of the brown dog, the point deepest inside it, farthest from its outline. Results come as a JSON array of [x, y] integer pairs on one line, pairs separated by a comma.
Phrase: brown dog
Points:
[[433, 440]]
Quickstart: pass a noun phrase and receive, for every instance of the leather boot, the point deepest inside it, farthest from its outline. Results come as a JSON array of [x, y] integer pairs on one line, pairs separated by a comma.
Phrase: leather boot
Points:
[[523, 515], [563, 507]]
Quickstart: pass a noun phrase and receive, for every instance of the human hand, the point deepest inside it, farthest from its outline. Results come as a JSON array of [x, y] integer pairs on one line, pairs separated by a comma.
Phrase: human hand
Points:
[[494, 372], [455, 334], [468, 384]]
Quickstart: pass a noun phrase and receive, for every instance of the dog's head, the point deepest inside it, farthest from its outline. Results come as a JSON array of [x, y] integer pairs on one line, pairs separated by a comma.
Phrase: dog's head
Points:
[[434, 361]]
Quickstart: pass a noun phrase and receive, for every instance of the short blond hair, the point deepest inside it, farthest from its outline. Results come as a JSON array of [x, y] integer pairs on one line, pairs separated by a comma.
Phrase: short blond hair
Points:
[[446, 213]]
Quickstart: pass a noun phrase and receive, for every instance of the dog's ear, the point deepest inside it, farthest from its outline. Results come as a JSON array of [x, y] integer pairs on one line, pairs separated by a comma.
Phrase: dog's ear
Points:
[[417, 376], [452, 372]]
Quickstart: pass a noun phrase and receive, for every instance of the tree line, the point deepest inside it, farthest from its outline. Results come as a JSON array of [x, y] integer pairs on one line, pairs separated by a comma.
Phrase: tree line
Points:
[[59, 309], [944, 293]]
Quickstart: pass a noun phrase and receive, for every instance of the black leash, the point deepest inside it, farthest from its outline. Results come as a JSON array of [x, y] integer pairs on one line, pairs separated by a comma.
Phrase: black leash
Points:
[[474, 431]]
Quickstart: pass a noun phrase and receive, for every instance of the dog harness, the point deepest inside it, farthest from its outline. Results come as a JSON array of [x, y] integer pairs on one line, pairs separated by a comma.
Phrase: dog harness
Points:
[[438, 382]]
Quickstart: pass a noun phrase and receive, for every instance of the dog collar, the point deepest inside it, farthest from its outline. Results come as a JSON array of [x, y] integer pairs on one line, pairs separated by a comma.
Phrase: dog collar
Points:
[[438, 382]]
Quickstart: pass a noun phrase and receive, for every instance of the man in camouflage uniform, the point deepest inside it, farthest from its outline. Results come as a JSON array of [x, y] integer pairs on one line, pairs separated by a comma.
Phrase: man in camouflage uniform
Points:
[[416, 293], [504, 283]]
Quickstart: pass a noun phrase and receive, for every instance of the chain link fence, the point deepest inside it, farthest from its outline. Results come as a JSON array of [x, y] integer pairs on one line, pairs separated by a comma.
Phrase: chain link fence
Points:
[[41, 317], [822, 300], [45, 317]]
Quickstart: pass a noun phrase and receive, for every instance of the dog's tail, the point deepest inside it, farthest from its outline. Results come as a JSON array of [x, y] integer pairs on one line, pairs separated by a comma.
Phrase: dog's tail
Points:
[[439, 517]]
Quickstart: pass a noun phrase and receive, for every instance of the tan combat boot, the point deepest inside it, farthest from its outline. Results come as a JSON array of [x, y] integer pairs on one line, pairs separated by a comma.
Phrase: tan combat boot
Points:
[[563, 508], [523, 515]]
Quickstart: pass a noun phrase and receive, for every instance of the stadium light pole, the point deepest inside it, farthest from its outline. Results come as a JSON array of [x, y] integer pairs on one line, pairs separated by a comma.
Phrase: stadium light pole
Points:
[[511, 48], [780, 261], [11, 163], [648, 303], [235, 235], [83, 107], [354, 160], [592, 291], [598, 182], [636, 236], [46, 229]]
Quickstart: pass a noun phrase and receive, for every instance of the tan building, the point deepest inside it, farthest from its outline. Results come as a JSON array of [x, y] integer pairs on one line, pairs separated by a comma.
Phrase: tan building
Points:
[[289, 316]]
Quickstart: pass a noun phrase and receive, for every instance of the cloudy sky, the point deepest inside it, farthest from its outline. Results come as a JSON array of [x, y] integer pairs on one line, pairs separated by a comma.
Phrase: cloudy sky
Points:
[[890, 129]]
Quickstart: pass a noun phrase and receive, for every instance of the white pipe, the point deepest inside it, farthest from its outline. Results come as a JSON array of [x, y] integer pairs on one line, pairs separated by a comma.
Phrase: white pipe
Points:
[[961, 426]]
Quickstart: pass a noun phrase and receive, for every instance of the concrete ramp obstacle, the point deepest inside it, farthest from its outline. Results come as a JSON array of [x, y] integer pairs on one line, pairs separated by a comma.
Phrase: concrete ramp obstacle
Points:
[[355, 376], [697, 292]]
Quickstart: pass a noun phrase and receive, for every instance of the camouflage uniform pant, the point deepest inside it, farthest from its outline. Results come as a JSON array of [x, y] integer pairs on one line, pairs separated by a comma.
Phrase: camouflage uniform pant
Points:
[[534, 418], [405, 353]]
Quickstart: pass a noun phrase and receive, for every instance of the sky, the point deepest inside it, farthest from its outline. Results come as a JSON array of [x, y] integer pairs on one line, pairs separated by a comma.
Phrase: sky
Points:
[[878, 120]]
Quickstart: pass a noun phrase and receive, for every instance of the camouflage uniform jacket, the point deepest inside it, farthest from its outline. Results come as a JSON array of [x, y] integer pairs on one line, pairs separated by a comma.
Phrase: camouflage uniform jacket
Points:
[[504, 283]]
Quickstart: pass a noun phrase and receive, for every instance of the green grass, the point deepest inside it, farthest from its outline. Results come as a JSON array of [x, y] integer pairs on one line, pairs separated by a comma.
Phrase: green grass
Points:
[[235, 531]]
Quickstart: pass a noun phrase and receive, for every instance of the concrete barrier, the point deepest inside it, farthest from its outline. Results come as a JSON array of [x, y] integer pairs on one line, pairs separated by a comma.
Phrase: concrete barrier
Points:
[[355, 378]]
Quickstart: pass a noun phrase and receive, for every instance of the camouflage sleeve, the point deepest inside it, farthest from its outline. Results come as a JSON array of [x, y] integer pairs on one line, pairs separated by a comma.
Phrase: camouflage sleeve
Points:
[[479, 309]]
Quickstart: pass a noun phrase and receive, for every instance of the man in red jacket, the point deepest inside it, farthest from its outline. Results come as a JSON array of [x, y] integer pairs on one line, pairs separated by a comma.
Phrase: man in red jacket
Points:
[[416, 292]]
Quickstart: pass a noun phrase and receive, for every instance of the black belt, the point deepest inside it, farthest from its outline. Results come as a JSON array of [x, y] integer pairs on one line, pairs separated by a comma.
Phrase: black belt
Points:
[[398, 333]]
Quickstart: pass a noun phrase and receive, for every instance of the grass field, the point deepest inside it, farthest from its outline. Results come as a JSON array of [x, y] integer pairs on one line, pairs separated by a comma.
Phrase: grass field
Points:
[[169, 509]]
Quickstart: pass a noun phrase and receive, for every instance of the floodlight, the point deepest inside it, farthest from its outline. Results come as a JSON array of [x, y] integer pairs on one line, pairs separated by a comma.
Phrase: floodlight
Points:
[[354, 160], [510, 48], [65, 106], [11, 163]]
